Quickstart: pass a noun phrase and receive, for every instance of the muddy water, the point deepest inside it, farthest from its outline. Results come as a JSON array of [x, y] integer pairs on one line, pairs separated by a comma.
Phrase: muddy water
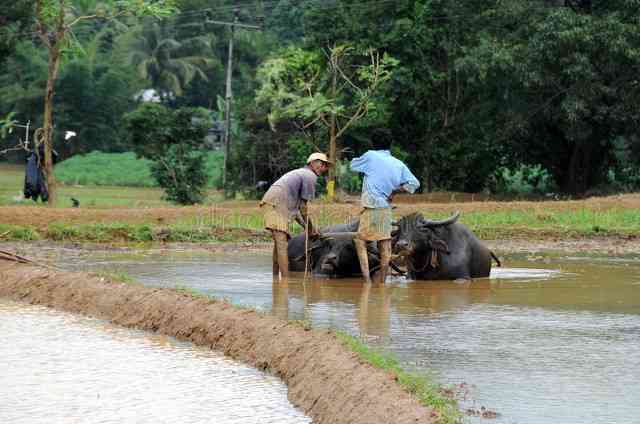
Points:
[[56, 367], [546, 339]]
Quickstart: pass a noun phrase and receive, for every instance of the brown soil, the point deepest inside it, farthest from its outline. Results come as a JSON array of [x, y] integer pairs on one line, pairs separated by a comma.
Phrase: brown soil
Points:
[[41, 217], [611, 246], [326, 380]]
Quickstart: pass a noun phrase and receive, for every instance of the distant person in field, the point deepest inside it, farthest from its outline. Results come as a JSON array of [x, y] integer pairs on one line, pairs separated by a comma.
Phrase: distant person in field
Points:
[[384, 176], [288, 199]]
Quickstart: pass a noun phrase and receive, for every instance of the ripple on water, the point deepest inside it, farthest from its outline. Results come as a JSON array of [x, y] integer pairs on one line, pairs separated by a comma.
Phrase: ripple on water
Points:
[[544, 340], [56, 367]]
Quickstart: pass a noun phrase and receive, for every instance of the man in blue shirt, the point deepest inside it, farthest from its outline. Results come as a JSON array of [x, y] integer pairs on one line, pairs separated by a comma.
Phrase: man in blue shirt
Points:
[[384, 176]]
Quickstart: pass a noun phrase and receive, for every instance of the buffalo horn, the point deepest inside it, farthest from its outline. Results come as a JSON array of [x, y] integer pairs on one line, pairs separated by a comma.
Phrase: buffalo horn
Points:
[[429, 223]]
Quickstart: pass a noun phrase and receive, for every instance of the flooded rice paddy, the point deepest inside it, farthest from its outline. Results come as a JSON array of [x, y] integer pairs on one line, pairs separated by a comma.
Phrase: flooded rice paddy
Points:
[[57, 367], [546, 339]]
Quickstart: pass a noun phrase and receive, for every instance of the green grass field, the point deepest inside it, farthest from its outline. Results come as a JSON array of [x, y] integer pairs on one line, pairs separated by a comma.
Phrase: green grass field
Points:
[[12, 183], [101, 180], [122, 169]]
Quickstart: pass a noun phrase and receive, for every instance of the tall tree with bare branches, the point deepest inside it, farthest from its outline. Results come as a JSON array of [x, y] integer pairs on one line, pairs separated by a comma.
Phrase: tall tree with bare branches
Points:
[[55, 20], [334, 89]]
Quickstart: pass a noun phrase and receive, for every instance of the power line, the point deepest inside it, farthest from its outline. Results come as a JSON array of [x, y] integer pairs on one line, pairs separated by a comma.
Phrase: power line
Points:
[[370, 5]]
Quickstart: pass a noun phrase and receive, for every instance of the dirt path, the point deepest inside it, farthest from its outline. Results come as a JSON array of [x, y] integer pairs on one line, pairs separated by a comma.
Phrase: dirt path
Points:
[[327, 381]]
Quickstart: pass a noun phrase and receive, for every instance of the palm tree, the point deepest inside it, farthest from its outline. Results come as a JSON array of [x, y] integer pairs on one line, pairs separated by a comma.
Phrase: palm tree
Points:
[[166, 61]]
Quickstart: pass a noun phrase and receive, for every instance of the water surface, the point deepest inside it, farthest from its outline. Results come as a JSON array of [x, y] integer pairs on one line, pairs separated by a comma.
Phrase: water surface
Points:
[[546, 339], [62, 368]]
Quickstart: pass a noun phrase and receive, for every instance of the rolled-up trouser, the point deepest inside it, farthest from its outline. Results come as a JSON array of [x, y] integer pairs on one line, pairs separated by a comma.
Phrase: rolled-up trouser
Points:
[[276, 214], [375, 224], [275, 218]]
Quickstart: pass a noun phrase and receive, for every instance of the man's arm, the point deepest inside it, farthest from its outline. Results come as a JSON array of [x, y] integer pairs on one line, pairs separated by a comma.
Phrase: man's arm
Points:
[[359, 164], [303, 218], [411, 183]]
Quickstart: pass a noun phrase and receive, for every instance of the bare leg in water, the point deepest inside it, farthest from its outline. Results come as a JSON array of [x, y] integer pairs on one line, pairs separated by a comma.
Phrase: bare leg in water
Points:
[[363, 258], [281, 258], [384, 247]]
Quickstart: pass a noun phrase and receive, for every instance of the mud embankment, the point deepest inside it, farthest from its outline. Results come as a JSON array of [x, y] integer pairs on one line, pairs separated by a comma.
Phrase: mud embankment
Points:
[[324, 379]]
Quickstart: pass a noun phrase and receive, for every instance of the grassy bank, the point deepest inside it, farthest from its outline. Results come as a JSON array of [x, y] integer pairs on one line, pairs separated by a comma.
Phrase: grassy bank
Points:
[[243, 223], [138, 214], [426, 391], [128, 233]]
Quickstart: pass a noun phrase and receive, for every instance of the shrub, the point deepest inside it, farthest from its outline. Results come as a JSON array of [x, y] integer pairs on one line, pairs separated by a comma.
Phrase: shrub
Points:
[[181, 173], [526, 179], [174, 141]]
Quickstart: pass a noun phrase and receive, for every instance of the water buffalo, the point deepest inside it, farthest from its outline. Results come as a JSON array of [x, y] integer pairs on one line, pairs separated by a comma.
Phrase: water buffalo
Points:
[[440, 250], [332, 254]]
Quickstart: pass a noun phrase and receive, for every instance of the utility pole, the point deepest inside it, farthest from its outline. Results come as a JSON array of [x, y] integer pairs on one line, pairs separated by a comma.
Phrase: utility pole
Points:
[[228, 94], [227, 106]]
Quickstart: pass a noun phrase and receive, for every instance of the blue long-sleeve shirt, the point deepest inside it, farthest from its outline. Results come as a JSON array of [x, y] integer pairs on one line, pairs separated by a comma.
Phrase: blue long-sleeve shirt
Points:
[[382, 175]]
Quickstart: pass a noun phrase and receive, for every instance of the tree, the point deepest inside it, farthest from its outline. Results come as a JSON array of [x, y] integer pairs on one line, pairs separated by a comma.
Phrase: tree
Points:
[[334, 89], [168, 62], [14, 19], [570, 86], [174, 141], [432, 107], [53, 26]]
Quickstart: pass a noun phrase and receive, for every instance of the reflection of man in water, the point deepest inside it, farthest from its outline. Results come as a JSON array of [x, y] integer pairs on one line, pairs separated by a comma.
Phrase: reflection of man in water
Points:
[[286, 199], [280, 299], [374, 312]]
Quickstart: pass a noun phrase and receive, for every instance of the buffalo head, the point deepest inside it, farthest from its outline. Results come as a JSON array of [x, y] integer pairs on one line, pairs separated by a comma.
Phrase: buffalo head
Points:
[[416, 237], [333, 255]]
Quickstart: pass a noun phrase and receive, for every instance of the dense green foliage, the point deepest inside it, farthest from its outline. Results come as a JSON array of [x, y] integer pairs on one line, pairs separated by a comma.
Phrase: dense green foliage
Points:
[[173, 139], [477, 88]]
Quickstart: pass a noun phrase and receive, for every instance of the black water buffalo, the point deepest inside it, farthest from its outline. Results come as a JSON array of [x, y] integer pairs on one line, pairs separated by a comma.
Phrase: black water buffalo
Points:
[[332, 254], [440, 250]]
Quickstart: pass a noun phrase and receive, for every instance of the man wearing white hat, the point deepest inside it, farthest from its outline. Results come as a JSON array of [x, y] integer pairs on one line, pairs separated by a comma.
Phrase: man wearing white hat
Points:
[[287, 199]]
